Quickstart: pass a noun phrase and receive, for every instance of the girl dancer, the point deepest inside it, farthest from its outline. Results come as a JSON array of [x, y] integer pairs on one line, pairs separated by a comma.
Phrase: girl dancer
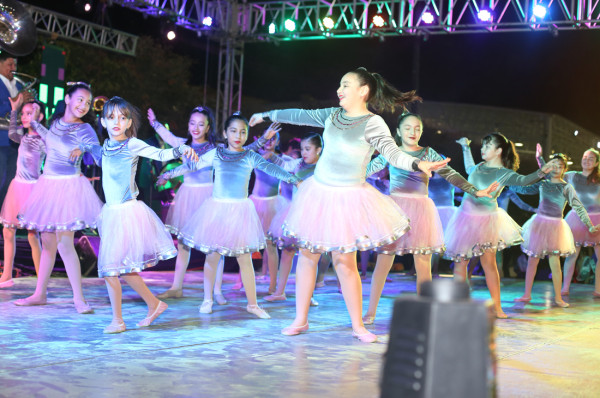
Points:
[[479, 227], [587, 187], [227, 224], [133, 237], [336, 210], [310, 150], [267, 201], [63, 200], [29, 161], [546, 233], [409, 190], [196, 188]]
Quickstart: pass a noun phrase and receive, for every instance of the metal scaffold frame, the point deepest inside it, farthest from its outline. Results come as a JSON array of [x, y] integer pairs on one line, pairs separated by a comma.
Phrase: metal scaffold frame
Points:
[[70, 28]]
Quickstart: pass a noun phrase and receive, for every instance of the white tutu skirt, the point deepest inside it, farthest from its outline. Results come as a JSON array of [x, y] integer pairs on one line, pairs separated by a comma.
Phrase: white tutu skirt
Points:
[[547, 236], [61, 203], [426, 235], [344, 219], [581, 233], [470, 234], [188, 199], [16, 196], [229, 227], [446, 213], [275, 232], [132, 238], [267, 208]]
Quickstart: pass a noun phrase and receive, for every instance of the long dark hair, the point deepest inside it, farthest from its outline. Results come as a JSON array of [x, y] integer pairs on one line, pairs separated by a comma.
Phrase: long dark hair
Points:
[[594, 176], [401, 118], [314, 138], [382, 95], [119, 105], [510, 157], [89, 117], [211, 134], [231, 119]]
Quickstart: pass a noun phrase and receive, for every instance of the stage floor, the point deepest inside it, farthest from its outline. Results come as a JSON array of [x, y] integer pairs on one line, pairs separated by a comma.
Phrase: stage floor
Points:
[[51, 351]]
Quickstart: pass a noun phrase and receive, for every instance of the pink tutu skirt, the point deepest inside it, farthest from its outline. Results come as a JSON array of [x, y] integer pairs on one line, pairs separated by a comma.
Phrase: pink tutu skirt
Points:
[[16, 196], [188, 199], [132, 238], [446, 213], [546, 236], [61, 203], [344, 219], [267, 208], [275, 232], [470, 234], [581, 233], [426, 235], [229, 227]]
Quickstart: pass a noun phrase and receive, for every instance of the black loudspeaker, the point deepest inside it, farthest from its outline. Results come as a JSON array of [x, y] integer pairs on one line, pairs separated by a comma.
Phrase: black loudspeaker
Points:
[[441, 345], [87, 248]]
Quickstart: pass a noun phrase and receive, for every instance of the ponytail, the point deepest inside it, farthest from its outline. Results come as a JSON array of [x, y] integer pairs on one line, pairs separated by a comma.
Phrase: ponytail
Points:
[[382, 95], [510, 157]]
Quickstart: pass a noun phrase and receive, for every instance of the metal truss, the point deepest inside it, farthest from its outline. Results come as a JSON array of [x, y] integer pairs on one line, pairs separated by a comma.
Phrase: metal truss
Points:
[[70, 28], [229, 85], [353, 18]]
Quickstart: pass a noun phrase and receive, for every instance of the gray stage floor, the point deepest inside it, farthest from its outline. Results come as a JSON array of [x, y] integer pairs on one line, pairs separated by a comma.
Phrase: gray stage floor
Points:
[[51, 351]]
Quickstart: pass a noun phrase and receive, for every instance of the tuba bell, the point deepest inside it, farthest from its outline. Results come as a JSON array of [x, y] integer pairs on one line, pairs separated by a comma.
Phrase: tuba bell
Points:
[[98, 103], [27, 82], [18, 34]]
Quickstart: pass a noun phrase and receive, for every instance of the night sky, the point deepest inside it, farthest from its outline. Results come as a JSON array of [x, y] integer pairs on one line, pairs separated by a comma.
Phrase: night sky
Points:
[[531, 71]]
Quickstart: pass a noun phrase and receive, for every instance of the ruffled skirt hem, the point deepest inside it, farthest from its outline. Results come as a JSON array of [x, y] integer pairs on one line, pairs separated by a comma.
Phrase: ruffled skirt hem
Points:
[[188, 199]]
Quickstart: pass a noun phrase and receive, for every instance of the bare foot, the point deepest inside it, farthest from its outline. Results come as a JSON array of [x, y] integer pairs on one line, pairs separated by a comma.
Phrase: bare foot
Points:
[[561, 303], [523, 299]]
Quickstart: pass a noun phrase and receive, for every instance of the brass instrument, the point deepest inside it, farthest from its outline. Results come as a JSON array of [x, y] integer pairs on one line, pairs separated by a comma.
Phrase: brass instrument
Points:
[[18, 34], [98, 103], [27, 87]]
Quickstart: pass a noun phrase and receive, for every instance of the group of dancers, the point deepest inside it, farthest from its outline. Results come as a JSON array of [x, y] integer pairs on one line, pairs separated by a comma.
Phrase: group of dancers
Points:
[[323, 207]]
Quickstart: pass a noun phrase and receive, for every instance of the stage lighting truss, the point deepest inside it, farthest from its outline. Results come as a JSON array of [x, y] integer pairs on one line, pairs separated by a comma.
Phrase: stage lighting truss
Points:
[[354, 18]]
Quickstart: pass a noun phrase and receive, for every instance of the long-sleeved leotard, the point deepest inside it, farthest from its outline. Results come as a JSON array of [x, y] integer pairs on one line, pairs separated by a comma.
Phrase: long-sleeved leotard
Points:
[[32, 151]]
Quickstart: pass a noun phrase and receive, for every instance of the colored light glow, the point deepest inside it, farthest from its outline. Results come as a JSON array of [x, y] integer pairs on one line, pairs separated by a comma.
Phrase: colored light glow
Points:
[[328, 23], [598, 144], [518, 144], [272, 28], [59, 94], [207, 21], [378, 21], [87, 7], [43, 93], [575, 133], [290, 25], [484, 15], [427, 17], [171, 35], [539, 11]]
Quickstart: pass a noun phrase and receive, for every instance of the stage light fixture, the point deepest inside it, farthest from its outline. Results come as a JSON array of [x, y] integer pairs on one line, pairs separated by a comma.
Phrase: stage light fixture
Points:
[[598, 144], [207, 21], [575, 133], [87, 7], [484, 15], [427, 17], [290, 25], [171, 35], [539, 11], [328, 23], [518, 144], [378, 21], [272, 28]]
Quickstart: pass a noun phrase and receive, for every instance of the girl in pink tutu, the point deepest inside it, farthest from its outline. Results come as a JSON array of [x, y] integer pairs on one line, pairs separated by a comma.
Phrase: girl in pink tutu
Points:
[[480, 227], [132, 236], [409, 190], [63, 200], [267, 201], [227, 223], [587, 187], [310, 150], [546, 233], [29, 161], [335, 209], [196, 188]]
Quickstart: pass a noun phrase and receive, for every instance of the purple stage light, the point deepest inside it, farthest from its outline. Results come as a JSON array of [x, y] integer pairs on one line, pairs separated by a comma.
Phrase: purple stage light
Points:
[[539, 11], [484, 15], [207, 21], [427, 17]]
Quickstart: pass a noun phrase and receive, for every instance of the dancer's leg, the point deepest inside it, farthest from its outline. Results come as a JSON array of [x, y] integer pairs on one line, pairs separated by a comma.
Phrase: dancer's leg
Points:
[[323, 266], [306, 272], [492, 279], [423, 267], [115, 294], [597, 277], [556, 280], [219, 277], [569, 270], [460, 270], [247, 272], [36, 249], [10, 243], [273, 262], [532, 264], [47, 259], [66, 249], [382, 268], [181, 264], [345, 266], [137, 283], [285, 266], [210, 273]]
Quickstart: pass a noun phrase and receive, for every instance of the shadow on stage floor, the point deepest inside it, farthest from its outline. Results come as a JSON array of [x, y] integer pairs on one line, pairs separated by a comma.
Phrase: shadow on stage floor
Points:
[[51, 351]]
